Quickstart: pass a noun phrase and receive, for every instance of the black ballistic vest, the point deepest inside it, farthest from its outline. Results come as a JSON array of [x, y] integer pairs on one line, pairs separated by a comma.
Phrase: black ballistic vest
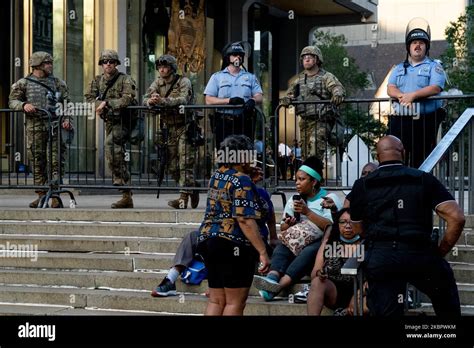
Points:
[[397, 209]]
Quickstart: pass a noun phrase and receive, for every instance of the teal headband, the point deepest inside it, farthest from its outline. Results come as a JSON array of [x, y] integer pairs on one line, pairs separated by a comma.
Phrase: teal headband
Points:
[[310, 171]]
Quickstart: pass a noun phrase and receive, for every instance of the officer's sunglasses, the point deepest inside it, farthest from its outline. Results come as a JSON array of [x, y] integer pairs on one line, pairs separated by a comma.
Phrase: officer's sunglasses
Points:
[[108, 61], [308, 56]]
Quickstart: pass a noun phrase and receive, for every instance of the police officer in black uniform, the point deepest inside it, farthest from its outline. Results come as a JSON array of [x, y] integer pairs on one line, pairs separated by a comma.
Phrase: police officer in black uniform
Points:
[[394, 206]]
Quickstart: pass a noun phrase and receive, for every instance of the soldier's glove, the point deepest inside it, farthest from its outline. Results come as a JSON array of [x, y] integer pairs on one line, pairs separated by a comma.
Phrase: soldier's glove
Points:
[[249, 105], [236, 101], [285, 101], [337, 99]]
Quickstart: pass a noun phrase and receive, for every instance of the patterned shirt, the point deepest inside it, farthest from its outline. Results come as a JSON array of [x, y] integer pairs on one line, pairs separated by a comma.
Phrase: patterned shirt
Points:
[[231, 194], [267, 211]]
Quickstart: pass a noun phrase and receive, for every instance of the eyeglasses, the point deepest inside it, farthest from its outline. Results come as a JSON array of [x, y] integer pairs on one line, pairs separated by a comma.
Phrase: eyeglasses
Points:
[[345, 222], [308, 56], [162, 63], [109, 61]]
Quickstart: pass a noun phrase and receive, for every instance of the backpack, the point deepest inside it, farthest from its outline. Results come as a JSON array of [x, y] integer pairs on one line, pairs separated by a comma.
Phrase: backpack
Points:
[[195, 273]]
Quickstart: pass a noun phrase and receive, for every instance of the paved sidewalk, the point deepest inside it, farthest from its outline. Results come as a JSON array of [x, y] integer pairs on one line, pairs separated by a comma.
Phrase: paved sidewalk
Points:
[[20, 199]]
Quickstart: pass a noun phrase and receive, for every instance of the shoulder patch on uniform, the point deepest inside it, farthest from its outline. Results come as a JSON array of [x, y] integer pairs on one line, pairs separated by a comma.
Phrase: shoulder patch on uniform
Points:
[[439, 69]]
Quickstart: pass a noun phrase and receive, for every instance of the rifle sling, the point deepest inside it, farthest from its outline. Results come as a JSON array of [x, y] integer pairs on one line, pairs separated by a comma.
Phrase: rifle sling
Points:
[[175, 80], [109, 85]]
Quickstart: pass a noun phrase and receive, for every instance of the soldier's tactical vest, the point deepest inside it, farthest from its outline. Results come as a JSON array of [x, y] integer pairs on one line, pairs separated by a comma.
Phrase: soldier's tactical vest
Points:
[[126, 118], [172, 116], [39, 96], [396, 206], [312, 88]]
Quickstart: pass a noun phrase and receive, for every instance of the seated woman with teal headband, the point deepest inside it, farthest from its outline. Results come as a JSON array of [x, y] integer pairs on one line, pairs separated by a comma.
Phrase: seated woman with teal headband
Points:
[[287, 268]]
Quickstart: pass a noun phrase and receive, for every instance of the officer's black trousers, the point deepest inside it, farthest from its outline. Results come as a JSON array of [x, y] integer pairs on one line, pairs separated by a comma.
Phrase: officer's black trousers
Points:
[[227, 124], [417, 135], [389, 269]]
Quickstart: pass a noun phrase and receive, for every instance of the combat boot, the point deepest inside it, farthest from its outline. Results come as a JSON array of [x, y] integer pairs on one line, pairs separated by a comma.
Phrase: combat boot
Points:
[[195, 196], [36, 202], [125, 202], [118, 182], [181, 202], [55, 203]]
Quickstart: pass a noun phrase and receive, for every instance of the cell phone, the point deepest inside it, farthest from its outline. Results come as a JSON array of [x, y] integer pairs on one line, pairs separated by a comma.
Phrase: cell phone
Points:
[[297, 215]]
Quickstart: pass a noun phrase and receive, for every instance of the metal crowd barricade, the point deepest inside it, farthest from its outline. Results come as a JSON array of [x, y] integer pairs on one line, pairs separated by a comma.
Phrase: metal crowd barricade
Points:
[[86, 164], [87, 168], [364, 122]]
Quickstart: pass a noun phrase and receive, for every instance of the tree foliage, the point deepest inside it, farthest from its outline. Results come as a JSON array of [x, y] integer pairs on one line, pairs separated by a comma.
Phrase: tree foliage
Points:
[[338, 61], [458, 59]]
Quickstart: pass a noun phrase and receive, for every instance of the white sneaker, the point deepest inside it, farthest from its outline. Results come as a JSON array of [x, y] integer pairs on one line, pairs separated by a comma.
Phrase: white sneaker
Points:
[[302, 296]]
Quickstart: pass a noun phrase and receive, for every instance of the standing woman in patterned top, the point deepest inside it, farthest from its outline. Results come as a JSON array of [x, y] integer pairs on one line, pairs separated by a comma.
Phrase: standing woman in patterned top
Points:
[[229, 238]]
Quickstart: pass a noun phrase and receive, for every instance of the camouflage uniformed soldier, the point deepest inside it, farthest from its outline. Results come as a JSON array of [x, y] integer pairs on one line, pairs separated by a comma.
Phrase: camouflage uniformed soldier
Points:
[[112, 92], [27, 94], [170, 90], [313, 84]]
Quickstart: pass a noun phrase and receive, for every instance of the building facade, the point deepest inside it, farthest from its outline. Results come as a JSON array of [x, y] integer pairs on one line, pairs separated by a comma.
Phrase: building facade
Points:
[[75, 31]]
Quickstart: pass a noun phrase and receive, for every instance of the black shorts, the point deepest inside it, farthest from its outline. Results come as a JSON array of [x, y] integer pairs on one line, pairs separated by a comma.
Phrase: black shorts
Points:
[[345, 291], [230, 265]]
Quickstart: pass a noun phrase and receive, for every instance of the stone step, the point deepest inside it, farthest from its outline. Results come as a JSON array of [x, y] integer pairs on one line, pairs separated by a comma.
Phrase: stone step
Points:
[[93, 243], [466, 294], [145, 281], [85, 228], [113, 215], [90, 261], [463, 273], [136, 301], [12, 309], [461, 253], [428, 310], [467, 237]]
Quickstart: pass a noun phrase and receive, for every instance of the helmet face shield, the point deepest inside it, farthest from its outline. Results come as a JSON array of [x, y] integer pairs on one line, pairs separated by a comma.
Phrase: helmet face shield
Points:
[[418, 29], [236, 49], [418, 23]]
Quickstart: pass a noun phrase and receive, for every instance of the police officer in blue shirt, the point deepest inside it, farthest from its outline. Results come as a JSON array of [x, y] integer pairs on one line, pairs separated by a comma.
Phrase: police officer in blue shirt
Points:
[[416, 78], [233, 86]]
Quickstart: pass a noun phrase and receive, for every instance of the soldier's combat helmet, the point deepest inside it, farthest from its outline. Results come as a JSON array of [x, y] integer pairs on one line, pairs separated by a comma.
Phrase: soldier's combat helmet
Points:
[[40, 57], [167, 59], [109, 54], [418, 29], [313, 50]]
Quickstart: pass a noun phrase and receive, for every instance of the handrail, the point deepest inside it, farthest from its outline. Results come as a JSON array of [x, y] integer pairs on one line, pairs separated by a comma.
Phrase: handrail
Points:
[[438, 152]]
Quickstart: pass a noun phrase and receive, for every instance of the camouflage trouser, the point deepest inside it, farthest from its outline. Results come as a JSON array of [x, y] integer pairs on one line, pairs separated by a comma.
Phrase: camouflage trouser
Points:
[[117, 137], [38, 155], [314, 138], [181, 155]]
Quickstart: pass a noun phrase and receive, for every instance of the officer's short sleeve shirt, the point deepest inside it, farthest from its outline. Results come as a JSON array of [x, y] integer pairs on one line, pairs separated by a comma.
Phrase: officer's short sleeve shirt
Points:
[[426, 73], [223, 84]]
